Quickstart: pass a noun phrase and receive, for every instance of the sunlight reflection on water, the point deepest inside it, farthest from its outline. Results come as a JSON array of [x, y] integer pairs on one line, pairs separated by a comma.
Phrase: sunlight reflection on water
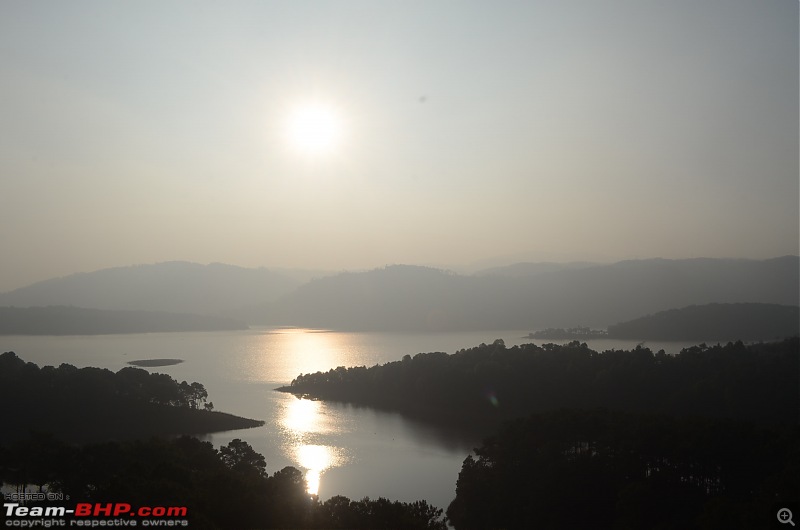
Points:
[[280, 355], [302, 416], [316, 459], [304, 423]]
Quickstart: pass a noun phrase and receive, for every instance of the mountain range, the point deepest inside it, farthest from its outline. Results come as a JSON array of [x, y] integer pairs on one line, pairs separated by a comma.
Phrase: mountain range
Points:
[[414, 298], [417, 298]]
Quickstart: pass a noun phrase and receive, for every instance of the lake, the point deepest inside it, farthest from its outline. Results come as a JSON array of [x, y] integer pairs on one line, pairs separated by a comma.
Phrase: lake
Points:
[[342, 449]]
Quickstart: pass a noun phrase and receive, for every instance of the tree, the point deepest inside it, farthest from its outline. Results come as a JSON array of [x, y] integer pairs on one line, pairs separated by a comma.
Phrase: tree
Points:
[[239, 456]]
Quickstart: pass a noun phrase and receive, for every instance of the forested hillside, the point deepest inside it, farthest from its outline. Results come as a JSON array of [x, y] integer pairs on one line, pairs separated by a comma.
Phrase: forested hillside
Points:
[[491, 382], [713, 322], [96, 404], [707, 438]]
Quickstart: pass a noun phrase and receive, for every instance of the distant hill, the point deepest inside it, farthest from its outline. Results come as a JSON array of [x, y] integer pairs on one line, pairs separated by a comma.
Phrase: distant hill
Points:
[[177, 287], [63, 320], [531, 269], [721, 322], [404, 298], [398, 297]]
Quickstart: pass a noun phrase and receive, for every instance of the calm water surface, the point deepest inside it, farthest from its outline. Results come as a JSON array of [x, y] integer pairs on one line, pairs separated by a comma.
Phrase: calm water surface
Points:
[[344, 450]]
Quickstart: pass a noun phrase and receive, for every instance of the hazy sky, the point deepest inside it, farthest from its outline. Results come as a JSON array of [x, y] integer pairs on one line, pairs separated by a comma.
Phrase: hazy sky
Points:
[[138, 132]]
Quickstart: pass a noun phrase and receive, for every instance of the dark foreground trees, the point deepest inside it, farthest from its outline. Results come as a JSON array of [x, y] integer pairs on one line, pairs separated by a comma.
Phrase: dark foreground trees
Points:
[[602, 469], [218, 491], [227, 488]]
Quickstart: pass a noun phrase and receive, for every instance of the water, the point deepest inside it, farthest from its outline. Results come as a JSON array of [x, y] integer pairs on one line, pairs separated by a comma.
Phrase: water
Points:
[[344, 450]]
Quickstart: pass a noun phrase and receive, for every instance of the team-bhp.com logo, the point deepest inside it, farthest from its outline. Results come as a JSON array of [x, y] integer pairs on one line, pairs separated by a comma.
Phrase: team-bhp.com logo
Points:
[[94, 515]]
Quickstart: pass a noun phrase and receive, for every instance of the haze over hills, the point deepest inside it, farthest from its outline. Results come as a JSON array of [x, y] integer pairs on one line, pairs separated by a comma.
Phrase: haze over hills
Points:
[[418, 298], [530, 269], [178, 287], [413, 298]]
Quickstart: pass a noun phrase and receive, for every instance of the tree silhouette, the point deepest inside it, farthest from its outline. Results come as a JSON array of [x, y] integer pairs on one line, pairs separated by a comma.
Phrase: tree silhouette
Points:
[[239, 456]]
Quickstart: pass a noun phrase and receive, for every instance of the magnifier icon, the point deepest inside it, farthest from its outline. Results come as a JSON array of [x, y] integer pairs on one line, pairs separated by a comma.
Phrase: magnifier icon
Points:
[[785, 516]]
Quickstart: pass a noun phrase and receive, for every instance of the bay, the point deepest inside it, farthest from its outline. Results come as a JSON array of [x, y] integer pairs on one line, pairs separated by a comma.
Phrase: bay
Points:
[[342, 449]]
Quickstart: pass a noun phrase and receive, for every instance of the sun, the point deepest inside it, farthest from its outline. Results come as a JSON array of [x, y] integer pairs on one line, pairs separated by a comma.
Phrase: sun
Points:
[[314, 129]]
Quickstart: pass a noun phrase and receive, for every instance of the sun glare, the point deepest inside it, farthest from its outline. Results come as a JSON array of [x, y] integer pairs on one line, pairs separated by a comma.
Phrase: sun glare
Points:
[[315, 129], [316, 459], [305, 422]]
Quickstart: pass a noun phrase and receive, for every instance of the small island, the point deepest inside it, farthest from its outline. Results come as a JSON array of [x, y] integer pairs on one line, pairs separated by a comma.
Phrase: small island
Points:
[[148, 363], [576, 333]]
